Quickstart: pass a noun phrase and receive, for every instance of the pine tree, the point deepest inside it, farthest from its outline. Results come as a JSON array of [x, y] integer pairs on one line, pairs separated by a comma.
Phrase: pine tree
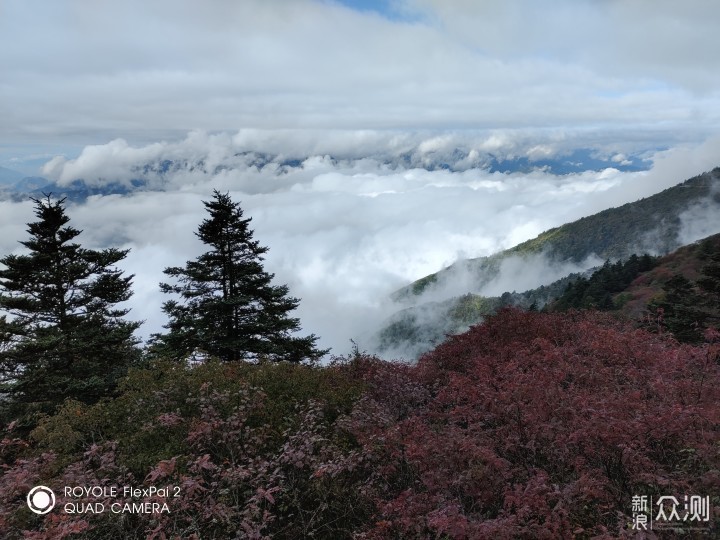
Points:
[[709, 280], [681, 308], [709, 283], [229, 308], [62, 335]]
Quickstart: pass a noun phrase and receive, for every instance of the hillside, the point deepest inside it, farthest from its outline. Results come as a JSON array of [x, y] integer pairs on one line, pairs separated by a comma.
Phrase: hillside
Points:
[[678, 293], [417, 329], [687, 261], [652, 224], [630, 288], [611, 234], [532, 425]]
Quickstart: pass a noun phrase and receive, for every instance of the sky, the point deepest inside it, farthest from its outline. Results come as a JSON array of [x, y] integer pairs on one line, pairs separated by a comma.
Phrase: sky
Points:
[[81, 72], [92, 89]]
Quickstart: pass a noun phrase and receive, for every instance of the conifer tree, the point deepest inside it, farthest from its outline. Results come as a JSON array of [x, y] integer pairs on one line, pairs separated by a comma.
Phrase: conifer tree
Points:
[[709, 283], [709, 280], [63, 336], [228, 306], [681, 308]]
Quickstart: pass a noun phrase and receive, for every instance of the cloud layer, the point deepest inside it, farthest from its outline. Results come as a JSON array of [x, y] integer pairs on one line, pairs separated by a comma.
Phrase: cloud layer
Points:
[[343, 232], [88, 71], [346, 117]]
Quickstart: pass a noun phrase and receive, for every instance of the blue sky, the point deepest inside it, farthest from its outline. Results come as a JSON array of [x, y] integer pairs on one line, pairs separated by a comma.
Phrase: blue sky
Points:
[[389, 9], [382, 7]]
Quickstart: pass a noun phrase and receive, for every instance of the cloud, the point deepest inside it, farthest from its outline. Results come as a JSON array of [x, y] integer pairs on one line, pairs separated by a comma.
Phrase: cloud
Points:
[[90, 72], [344, 232], [201, 154], [701, 220], [647, 39], [332, 126], [514, 274], [113, 161], [13, 223], [426, 319], [681, 160]]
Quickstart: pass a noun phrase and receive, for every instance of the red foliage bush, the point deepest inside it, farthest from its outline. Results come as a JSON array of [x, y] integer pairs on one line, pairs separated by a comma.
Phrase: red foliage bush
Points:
[[529, 426], [544, 426]]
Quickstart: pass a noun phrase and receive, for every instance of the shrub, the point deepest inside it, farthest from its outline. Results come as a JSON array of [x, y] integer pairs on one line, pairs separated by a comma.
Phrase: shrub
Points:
[[531, 425]]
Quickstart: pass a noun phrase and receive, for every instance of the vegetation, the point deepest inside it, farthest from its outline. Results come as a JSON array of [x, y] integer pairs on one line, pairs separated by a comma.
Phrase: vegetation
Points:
[[676, 294], [611, 234], [531, 425], [679, 293], [598, 290], [416, 330], [229, 309], [63, 335], [689, 309], [534, 424]]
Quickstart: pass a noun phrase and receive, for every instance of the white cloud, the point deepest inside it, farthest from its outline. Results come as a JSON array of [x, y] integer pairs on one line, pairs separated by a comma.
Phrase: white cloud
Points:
[[366, 103], [343, 233], [661, 41], [92, 71], [13, 223]]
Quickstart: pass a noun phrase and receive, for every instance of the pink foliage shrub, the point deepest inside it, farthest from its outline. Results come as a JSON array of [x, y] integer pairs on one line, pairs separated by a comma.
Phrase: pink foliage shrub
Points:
[[542, 426], [528, 426]]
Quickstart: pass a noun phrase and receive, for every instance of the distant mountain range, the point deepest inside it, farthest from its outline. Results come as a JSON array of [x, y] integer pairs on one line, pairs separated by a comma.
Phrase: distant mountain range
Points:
[[650, 225], [153, 174], [9, 176]]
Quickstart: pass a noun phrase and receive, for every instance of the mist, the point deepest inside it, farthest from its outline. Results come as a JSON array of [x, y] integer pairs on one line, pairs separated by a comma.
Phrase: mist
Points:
[[346, 226]]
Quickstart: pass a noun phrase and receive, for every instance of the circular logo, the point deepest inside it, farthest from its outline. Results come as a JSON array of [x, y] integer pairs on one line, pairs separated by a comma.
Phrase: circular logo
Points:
[[41, 499]]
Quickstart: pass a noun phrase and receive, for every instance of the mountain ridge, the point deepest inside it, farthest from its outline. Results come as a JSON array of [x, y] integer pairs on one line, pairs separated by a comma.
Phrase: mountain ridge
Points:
[[155, 172], [595, 234], [612, 234]]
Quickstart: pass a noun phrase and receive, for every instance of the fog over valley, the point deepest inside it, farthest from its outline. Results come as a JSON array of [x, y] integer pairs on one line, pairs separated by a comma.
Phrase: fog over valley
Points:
[[350, 217], [373, 142]]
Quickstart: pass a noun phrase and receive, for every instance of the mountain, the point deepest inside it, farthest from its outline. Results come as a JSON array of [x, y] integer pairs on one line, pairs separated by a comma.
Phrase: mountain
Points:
[[653, 224], [31, 184], [628, 288], [79, 190], [687, 261], [461, 159], [678, 293], [9, 176], [76, 191], [579, 160], [154, 173], [415, 330]]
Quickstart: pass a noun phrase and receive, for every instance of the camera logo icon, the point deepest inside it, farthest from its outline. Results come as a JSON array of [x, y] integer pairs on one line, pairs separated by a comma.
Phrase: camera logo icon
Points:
[[41, 499]]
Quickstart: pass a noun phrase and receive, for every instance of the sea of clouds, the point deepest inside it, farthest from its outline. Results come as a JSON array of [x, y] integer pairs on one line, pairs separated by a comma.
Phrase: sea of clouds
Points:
[[349, 216]]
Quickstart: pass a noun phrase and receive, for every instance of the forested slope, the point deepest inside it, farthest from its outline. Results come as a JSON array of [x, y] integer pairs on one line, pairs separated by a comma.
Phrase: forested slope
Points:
[[611, 234]]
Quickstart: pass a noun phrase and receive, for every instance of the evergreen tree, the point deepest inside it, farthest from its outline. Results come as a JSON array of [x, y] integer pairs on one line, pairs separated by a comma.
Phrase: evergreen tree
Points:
[[709, 283], [62, 335], [681, 308], [709, 280], [597, 292], [228, 307]]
